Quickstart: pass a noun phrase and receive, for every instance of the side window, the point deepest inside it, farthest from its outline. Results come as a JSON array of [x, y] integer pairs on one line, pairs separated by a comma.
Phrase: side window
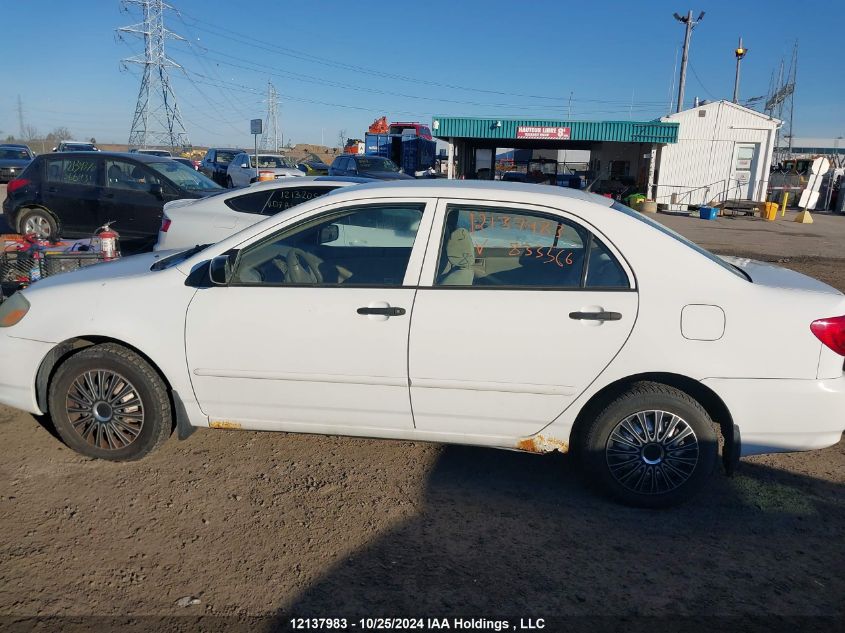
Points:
[[121, 174], [486, 248], [72, 171], [360, 246], [210, 156], [54, 170], [603, 269], [249, 203], [288, 197]]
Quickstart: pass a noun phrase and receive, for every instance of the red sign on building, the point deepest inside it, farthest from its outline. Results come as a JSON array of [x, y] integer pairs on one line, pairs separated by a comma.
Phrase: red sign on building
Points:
[[554, 133]]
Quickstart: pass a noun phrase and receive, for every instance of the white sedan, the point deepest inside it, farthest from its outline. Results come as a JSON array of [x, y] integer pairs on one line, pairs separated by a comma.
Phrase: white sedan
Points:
[[495, 314], [188, 222], [242, 170]]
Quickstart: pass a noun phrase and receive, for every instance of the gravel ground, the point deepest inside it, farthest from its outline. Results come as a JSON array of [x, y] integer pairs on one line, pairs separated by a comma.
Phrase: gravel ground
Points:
[[254, 525]]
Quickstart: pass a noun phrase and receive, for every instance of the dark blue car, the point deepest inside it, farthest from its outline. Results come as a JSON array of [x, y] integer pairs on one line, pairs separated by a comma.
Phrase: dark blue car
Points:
[[13, 160]]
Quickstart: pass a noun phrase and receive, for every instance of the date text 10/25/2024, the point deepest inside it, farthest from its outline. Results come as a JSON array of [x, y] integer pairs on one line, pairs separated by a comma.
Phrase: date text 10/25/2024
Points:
[[418, 624]]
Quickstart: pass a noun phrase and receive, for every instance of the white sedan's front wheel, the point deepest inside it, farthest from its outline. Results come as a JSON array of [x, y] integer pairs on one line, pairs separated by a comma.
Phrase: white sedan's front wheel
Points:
[[108, 402], [653, 446]]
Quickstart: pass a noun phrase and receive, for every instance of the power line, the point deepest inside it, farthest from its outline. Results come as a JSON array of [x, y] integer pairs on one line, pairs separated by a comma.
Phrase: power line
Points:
[[271, 47]]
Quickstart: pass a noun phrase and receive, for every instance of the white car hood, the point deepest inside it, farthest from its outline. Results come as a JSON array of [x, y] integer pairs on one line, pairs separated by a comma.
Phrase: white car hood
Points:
[[778, 277], [104, 271]]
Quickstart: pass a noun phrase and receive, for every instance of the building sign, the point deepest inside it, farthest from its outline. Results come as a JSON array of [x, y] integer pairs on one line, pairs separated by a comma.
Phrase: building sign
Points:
[[554, 133]]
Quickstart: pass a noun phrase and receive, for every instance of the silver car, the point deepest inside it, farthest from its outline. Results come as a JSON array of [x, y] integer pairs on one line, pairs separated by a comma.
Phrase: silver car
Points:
[[243, 171]]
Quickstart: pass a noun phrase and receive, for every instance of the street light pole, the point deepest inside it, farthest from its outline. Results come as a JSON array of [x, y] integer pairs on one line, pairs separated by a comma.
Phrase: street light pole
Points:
[[740, 53], [690, 25]]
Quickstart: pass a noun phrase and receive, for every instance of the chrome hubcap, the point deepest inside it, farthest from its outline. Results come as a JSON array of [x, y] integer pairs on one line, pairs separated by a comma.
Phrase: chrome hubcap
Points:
[[652, 452], [105, 409], [37, 224]]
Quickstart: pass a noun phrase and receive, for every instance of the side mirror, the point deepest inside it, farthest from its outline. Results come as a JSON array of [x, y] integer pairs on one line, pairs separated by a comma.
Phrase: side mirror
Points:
[[244, 165], [329, 233], [220, 269], [157, 190]]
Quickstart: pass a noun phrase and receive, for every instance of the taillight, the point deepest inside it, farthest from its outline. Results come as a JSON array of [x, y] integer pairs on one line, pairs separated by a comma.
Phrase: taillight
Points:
[[831, 332], [165, 224], [196, 164], [16, 184]]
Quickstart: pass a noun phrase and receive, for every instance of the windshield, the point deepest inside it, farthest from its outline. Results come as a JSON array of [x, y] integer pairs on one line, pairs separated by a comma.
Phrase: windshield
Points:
[[14, 154], [79, 147], [184, 176], [618, 206], [272, 162], [154, 152], [376, 163]]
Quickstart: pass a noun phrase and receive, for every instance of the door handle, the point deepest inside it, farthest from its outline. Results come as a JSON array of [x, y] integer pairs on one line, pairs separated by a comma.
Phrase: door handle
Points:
[[108, 195], [51, 189], [596, 316], [391, 311]]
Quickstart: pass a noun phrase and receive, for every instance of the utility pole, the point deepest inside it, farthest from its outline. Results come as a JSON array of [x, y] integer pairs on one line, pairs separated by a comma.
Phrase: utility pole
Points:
[[157, 121], [690, 24], [740, 53], [20, 118]]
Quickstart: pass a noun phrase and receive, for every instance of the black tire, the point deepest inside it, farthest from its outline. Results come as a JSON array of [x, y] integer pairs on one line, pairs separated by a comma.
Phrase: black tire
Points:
[[42, 217], [649, 471], [121, 437]]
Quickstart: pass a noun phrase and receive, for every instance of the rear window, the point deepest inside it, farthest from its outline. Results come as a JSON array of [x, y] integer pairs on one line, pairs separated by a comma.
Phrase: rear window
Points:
[[270, 202], [618, 206]]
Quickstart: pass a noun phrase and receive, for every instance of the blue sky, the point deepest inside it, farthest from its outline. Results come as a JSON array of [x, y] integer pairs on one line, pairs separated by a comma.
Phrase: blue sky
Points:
[[339, 65]]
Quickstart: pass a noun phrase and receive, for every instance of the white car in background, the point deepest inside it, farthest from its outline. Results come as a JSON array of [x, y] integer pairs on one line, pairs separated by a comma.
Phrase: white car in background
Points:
[[242, 170], [186, 224], [494, 314]]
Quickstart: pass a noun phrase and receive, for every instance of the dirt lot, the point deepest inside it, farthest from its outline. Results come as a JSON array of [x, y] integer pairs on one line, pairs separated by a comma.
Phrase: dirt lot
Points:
[[272, 525]]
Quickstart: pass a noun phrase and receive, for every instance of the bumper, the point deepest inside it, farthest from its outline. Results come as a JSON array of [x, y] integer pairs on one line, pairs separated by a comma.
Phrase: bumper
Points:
[[21, 360], [781, 415]]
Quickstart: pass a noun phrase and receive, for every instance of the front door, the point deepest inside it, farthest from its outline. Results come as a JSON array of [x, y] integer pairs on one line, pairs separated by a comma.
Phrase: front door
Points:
[[312, 331], [525, 311], [131, 199], [72, 191], [744, 170]]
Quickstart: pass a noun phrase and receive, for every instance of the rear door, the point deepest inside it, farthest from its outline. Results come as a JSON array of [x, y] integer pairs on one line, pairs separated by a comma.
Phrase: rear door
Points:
[[519, 310], [72, 186]]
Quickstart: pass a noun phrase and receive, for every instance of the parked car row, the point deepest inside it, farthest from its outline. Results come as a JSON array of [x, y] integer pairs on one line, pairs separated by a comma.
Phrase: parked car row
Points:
[[502, 315]]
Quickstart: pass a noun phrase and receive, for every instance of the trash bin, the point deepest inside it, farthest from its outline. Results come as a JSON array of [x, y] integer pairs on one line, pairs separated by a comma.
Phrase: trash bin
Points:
[[634, 200], [708, 213]]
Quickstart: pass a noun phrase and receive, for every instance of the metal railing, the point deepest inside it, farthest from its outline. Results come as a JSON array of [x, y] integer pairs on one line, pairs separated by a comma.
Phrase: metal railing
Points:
[[685, 197]]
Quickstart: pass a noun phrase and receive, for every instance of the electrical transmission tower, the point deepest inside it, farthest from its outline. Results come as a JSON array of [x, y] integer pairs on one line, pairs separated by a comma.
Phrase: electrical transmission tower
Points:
[[780, 102], [157, 121], [270, 138]]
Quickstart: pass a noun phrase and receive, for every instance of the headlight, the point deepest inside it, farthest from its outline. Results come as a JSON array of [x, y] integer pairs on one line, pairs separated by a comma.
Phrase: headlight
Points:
[[13, 309]]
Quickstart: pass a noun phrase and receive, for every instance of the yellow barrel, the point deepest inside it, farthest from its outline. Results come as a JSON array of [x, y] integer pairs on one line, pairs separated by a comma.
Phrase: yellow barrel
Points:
[[769, 211]]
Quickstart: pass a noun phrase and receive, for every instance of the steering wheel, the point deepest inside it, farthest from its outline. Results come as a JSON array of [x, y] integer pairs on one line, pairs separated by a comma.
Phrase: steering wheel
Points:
[[302, 267]]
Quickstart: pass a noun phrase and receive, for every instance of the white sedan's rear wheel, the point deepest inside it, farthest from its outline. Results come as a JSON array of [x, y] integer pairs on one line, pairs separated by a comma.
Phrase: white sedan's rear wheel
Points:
[[653, 446]]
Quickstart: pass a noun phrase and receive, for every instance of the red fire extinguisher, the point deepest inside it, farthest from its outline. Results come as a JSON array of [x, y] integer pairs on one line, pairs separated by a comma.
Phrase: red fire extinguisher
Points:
[[109, 244]]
